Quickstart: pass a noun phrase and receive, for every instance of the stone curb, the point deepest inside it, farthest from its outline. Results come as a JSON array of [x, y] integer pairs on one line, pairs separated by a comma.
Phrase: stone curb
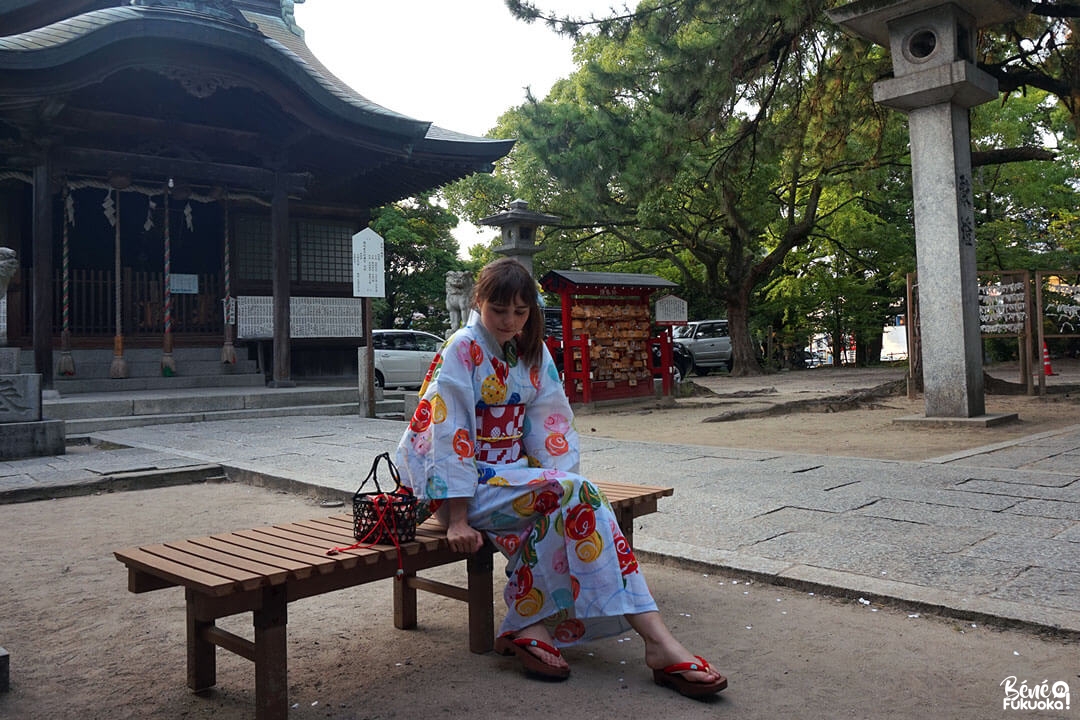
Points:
[[119, 482]]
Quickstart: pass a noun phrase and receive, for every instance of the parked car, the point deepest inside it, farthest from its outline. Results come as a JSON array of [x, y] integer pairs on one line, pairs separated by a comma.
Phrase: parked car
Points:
[[402, 357], [707, 342], [553, 334], [681, 360]]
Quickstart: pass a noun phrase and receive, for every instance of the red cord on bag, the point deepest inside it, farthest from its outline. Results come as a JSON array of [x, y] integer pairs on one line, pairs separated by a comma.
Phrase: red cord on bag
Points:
[[383, 508]]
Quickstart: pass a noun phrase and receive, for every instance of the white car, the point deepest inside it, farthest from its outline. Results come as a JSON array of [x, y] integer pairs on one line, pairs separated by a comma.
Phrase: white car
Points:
[[402, 357]]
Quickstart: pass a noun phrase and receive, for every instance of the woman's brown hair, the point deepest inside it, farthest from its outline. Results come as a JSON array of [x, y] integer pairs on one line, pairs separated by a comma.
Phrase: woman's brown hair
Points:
[[504, 282]]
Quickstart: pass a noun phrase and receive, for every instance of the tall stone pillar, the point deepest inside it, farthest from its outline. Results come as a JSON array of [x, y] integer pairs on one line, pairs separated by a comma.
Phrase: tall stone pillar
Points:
[[945, 260], [935, 81]]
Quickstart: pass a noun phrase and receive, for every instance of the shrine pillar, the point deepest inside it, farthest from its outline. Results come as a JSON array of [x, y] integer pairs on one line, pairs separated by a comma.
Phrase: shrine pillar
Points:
[[42, 275], [279, 238]]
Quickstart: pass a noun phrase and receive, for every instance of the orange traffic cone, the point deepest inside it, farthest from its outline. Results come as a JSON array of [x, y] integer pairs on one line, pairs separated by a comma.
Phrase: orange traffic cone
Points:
[[1047, 370]]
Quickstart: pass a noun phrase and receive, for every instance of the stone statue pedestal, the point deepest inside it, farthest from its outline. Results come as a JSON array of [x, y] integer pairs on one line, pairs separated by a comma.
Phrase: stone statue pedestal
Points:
[[23, 431]]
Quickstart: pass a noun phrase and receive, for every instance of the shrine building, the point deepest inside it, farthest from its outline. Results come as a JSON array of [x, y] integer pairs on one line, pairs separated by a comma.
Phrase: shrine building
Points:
[[183, 174]]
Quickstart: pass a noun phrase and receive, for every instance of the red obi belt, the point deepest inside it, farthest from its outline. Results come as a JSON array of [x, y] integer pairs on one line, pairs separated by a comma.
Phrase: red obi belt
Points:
[[498, 433]]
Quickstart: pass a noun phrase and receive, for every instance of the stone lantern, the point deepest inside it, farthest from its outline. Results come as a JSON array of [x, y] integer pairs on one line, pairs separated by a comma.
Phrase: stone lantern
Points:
[[519, 225], [935, 82]]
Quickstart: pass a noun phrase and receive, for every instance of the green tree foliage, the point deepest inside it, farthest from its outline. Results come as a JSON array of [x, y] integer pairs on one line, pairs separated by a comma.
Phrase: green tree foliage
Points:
[[419, 251], [851, 280], [733, 147], [1041, 51], [1027, 214], [702, 136]]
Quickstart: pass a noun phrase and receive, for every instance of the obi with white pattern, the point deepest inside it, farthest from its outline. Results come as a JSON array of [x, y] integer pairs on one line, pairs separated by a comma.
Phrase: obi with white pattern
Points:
[[498, 433]]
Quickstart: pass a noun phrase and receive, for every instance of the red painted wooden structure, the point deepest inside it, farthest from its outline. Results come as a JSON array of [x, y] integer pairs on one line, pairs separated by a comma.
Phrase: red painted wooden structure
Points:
[[607, 339]]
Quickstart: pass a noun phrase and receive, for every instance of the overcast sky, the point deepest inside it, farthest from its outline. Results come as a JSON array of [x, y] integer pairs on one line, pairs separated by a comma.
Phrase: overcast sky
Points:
[[457, 63]]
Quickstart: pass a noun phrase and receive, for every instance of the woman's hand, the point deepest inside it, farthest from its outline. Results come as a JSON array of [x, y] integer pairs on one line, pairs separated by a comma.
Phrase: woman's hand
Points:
[[462, 536]]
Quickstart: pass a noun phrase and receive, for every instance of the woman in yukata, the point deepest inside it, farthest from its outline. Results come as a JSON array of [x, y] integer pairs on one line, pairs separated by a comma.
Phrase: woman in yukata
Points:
[[492, 442]]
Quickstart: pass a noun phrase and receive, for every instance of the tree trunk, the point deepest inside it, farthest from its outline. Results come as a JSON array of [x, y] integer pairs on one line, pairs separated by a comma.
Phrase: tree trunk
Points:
[[743, 351]]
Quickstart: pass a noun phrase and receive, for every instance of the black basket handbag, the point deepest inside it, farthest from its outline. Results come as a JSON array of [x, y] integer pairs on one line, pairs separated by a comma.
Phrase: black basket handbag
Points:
[[384, 518]]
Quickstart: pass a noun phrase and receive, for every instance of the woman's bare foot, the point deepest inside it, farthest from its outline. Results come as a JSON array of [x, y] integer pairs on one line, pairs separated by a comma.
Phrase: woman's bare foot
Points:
[[540, 633], [663, 650]]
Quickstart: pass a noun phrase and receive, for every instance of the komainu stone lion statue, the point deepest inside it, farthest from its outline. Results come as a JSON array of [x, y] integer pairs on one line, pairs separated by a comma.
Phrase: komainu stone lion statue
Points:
[[459, 287]]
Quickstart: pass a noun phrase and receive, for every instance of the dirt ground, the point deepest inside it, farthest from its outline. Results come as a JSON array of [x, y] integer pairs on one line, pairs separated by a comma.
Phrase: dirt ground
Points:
[[81, 646]]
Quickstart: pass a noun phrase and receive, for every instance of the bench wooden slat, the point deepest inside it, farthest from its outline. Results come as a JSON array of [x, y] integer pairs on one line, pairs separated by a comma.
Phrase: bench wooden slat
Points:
[[340, 524], [202, 553], [253, 560], [244, 579], [281, 548], [623, 493], [177, 573], [292, 538], [319, 532], [321, 528], [312, 534]]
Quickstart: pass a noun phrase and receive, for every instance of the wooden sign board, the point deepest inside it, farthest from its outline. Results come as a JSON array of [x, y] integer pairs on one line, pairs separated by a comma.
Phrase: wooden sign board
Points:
[[368, 264], [671, 310]]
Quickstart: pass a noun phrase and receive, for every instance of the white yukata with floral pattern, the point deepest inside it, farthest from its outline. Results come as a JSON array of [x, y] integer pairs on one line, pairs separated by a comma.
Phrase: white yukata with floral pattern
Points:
[[503, 436]]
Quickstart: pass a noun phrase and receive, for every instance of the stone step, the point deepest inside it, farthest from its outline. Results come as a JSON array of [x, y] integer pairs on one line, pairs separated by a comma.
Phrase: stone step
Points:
[[120, 404], [83, 426], [77, 386], [151, 367], [96, 364], [83, 413]]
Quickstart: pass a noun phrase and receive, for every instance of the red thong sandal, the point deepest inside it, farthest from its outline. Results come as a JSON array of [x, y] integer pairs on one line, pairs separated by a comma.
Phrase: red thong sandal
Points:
[[672, 677], [520, 647]]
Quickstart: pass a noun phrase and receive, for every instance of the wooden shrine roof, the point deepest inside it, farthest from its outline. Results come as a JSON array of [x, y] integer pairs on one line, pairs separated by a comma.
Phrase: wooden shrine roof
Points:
[[581, 281], [276, 94]]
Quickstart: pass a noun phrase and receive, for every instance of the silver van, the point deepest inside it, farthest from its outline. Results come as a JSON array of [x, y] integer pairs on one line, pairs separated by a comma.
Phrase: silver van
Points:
[[708, 343]]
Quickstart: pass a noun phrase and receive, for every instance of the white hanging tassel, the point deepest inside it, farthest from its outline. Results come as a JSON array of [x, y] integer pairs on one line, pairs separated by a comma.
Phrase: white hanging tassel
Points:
[[69, 209], [110, 208], [187, 216], [150, 207]]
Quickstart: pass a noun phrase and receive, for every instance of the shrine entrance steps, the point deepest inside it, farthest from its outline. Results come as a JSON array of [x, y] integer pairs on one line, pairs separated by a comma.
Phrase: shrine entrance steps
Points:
[[88, 412], [203, 389], [195, 368]]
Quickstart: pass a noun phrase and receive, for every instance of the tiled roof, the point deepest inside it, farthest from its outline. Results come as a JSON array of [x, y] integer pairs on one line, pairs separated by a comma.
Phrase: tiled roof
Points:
[[581, 278], [41, 47]]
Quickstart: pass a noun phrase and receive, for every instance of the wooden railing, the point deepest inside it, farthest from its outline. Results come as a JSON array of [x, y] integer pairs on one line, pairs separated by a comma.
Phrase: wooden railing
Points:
[[91, 304]]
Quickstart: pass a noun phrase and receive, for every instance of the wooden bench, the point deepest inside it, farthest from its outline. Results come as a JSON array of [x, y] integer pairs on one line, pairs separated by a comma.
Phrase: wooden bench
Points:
[[263, 569]]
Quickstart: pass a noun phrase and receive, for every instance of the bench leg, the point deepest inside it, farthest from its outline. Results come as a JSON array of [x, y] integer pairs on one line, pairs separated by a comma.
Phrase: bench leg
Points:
[[201, 655], [479, 567], [626, 525], [404, 602], [271, 662]]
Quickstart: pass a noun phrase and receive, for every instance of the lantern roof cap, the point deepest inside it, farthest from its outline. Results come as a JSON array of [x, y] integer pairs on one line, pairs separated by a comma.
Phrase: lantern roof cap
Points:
[[519, 212], [869, 18]]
